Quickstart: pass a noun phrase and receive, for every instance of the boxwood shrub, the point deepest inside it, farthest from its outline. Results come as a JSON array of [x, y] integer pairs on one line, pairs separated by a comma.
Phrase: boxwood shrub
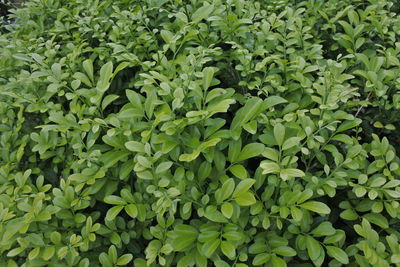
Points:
[[200, 133]]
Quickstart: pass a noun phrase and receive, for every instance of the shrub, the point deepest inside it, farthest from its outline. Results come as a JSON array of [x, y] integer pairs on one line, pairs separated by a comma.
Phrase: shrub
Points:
[[208, 133]]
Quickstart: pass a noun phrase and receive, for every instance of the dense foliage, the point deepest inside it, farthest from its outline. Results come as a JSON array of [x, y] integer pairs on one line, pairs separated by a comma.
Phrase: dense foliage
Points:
[[200, 133]]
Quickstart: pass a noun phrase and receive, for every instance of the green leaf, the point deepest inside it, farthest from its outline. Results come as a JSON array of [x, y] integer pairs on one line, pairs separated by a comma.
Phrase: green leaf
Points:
[[112, 157], [14, 252], [104, 260], [192, 156], [291, 142], [221, 263], [220, 106], [124, 259], [113, 212], [135, 146], [132, 210], [33, 253], [234, 150], [88, 67], [271, 154], [209, 247], [202, 13], [285, 251], [56, 69], [164, 166], [347, 27], [289, 173], [209, 143], [250, 151], [62, 253], [120, 67], [228, 249], [297, 214], [349, 215], [316, 206], [145, 175], [270, 167], [338, 254], [277, 261], [227, 209], [245, 199], [48, 253], [377, 219], [395, 258], [115, 200], [251, 127], [313, 248], [323, 229], [260, 259], [279, 133], [185, 235], [83, 78], [167, 36], [112, 253], [105, 76], [343, 138], [248, 111], [337, 237], [189, 157], [22, 57], [348, 125], [239, 171], [215, 216], [243, 186], [107, 101], [273, 101], [208, 73], [134, 98], [226, 190]]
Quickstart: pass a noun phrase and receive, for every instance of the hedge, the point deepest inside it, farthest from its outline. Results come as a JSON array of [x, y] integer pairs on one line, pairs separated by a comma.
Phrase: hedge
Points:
[[200, 133]]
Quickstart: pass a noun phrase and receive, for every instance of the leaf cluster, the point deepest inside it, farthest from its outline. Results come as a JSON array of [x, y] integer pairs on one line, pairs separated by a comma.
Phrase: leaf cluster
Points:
[[200, 133]]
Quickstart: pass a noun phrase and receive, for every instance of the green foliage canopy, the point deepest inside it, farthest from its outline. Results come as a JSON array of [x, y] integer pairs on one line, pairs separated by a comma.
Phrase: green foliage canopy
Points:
[[200, 133]]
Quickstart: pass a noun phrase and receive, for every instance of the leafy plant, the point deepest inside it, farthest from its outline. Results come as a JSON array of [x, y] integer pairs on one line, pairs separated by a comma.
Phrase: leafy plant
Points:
[[200, 133]]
